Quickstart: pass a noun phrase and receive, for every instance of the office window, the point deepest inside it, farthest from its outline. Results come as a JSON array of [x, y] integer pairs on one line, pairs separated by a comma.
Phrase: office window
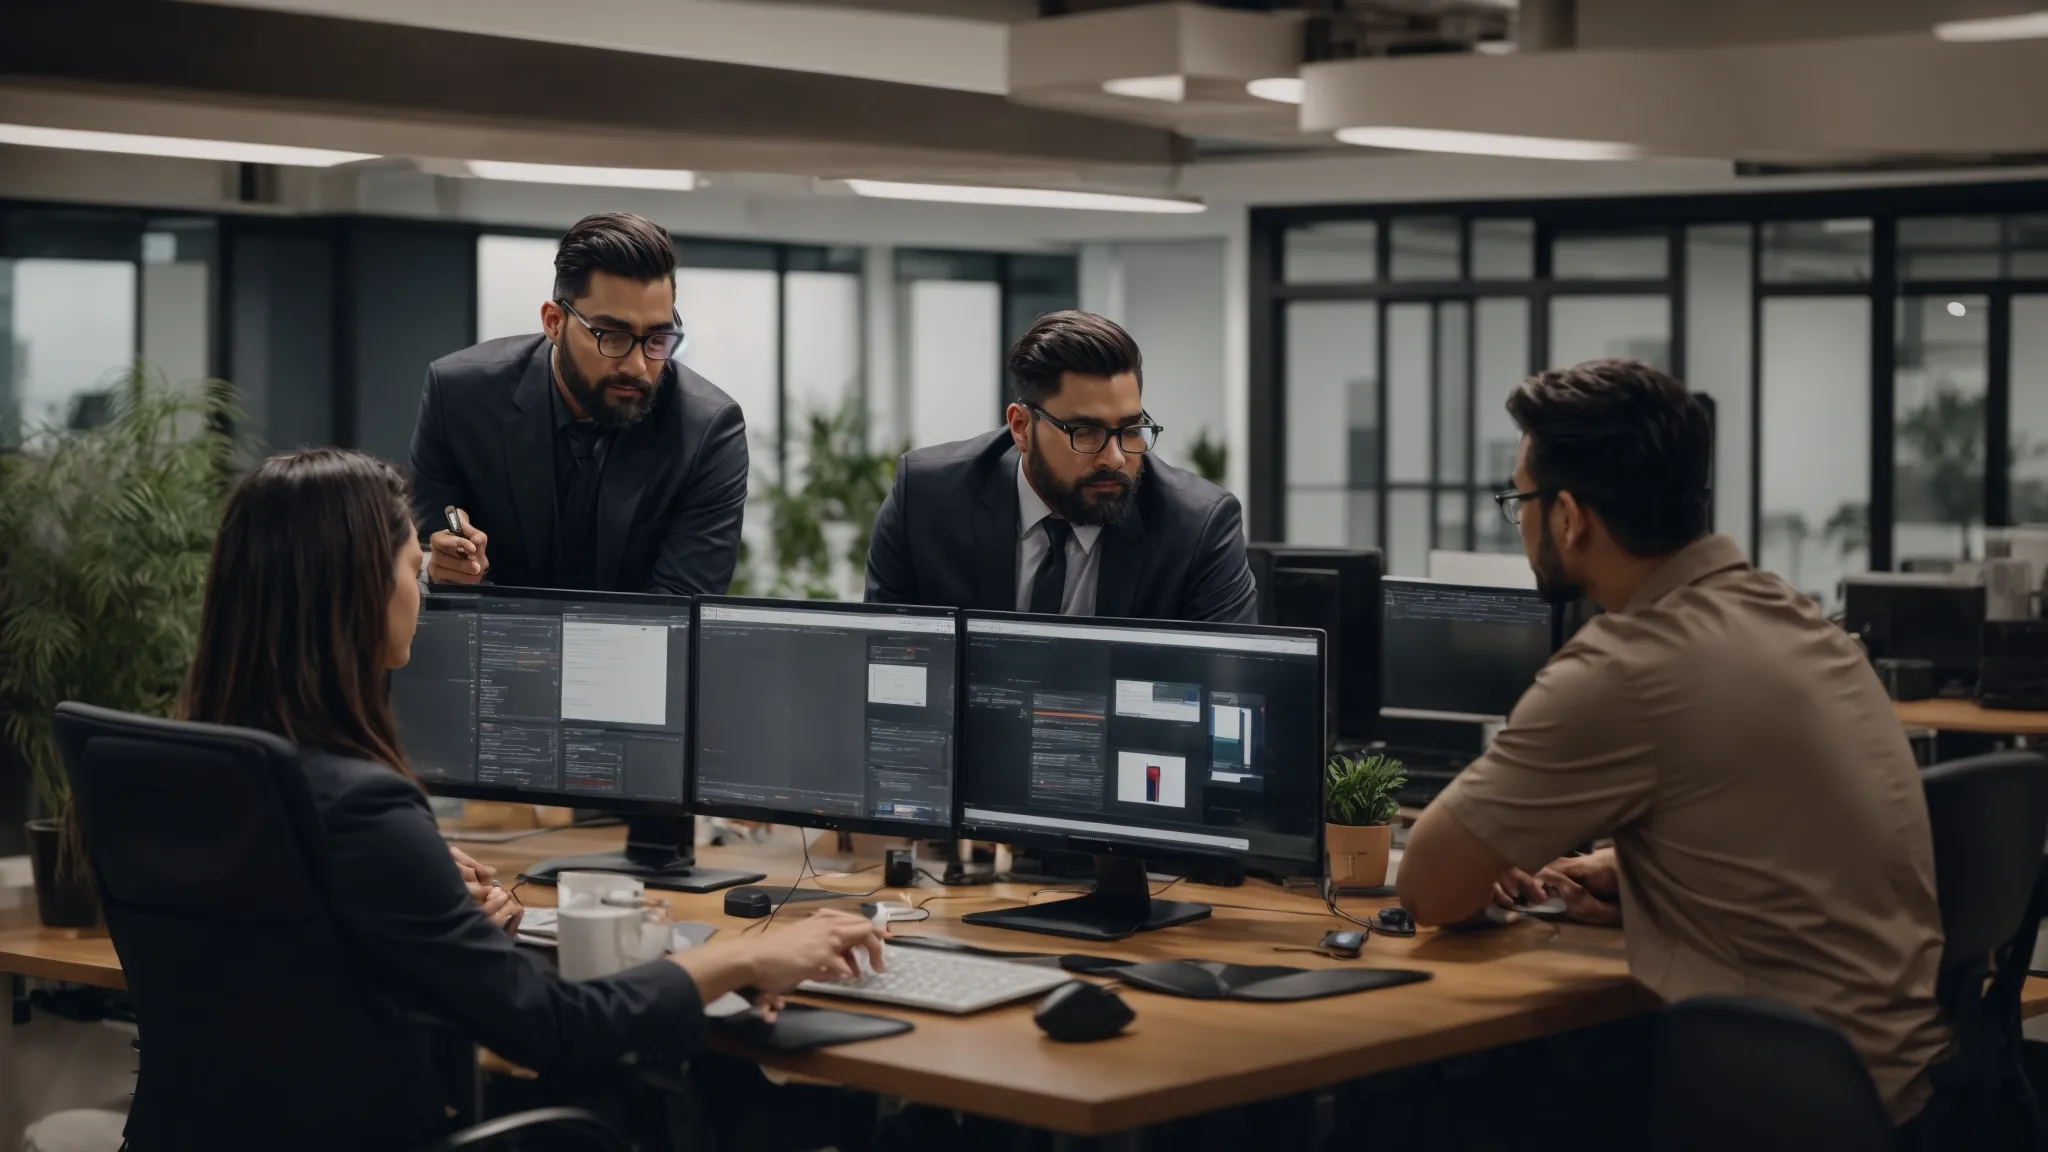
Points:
[[1503, 249], [729, 314], [1806, 251], [955, 356], [1600, 327], [821, 349], [1425, 248], [2028, 236], [1500, 364], [1940, 380], [1816, 440], [1333, 252], [2028, 483], [1717, 360], [515, 275], [1332, 422], [1411, 386], [70, 330], [1408, 532], [1610, 256], [1950, 247], [1453, 397]]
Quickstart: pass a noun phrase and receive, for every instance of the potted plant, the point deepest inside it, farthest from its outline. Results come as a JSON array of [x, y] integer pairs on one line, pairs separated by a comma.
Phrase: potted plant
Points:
[[821, 515], [105, 532], [1359, 809]]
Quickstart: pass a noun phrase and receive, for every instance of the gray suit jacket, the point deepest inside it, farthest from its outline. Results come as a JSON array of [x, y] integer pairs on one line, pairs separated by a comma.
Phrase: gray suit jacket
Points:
[[674, 489], [947, 535]]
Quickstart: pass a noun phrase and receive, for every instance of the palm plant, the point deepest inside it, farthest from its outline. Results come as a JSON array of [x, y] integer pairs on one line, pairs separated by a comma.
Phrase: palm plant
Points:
[[843, 482], [1361, 790], [105, 534]]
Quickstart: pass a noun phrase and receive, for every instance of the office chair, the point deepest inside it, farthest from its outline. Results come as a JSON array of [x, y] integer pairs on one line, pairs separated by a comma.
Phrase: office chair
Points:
[[203, 843], [1990, 818], [590, 1131], [1742, 1072]]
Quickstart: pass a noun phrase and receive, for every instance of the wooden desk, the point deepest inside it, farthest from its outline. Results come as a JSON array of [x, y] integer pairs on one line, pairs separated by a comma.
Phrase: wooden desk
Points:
[[1180, 1058], [1966, 716]]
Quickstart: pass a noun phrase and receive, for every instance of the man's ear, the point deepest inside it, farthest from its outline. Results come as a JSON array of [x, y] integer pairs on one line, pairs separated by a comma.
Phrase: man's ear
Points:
[[1019, 419], [1573, 526], [551, 318]]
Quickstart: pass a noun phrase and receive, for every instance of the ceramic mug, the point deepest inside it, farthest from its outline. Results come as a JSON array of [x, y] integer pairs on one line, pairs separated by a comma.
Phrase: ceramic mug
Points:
[[592, 887], [605, 937]]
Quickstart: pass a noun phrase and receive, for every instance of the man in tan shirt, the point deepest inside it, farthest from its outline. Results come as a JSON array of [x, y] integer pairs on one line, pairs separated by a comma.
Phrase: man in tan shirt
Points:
[[1770, 834]]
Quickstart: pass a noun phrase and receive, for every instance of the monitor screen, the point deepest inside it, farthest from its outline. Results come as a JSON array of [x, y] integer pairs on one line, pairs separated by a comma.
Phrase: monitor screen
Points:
[[831, 716], [1160, 740], [577, 699], [1460, 651]]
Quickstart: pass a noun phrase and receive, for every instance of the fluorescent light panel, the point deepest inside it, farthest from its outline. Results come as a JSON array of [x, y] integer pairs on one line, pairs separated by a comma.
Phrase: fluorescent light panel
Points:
[[1278, 89], [659, 179], [234, 152], [1487, 144], [1172, 89], [1020, 197], [2025, 26]]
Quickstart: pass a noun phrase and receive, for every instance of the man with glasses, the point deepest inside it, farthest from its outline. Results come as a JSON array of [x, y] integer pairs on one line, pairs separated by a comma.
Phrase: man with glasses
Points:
[[586, 456], [1066, 510]]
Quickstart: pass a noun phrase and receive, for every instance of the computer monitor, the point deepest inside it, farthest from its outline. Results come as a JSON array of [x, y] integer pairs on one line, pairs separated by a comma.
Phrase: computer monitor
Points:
[[578, 699], [1461, 651], [1353, 651], [1134, 741], [826, 715], [1314, 598], [1911, 617]]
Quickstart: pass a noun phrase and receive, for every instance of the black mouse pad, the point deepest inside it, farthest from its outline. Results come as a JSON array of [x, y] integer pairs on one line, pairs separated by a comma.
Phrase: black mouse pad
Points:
[[802, 1027], [1215, 980]]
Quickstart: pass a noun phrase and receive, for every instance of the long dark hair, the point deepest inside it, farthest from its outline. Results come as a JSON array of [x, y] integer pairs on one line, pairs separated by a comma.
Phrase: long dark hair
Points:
[[292, 637]]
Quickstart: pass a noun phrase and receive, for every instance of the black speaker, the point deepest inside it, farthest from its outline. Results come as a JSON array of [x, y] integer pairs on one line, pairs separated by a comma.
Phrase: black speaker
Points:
[[2014, 673]]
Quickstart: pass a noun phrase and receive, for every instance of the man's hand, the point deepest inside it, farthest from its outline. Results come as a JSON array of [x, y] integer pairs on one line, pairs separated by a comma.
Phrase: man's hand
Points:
[[1589, 884], [1518, 887], [458, 559], [825, 946]]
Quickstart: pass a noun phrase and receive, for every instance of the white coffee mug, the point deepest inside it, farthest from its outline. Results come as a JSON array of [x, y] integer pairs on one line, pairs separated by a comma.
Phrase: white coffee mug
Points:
[[606, 937], [592, 887]]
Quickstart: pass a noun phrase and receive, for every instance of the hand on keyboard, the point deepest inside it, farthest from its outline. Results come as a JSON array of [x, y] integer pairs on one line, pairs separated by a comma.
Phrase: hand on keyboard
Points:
[[940, 981], [824, 946]]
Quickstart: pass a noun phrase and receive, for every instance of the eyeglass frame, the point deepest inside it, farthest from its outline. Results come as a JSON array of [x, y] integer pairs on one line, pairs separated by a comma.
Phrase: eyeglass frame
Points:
[[1073, 430], [1510, 501], [639, 340]]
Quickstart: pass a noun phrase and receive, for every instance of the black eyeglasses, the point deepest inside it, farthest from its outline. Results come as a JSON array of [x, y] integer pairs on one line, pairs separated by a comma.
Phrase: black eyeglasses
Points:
[[1511, 501], [617, 343], [1089, 439]]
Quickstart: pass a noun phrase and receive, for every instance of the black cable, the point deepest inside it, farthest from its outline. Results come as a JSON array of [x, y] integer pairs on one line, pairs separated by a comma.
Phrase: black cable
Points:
[[787, 893]]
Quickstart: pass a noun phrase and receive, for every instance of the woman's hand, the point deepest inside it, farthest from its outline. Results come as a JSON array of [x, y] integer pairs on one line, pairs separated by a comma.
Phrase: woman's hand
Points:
[[822, 946], [499, 904]]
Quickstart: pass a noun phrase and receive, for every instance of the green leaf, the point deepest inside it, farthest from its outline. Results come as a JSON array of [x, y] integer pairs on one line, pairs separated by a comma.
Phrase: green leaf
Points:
[[1363, 790]]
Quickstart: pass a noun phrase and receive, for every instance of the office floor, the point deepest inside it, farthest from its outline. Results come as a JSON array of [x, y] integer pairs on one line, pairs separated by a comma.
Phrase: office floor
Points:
[[49, 1065]]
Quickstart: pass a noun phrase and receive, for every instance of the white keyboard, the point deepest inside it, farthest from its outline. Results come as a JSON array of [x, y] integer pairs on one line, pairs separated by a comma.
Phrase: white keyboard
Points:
[[941, 981]]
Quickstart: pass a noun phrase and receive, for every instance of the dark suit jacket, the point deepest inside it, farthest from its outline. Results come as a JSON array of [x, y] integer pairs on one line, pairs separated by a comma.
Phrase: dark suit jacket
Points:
[[947, 535], [400, 908], [674, 488]]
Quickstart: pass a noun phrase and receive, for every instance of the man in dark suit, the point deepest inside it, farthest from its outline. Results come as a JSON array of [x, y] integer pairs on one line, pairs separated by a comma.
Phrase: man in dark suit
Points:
[[1064, 511], [586, 456]]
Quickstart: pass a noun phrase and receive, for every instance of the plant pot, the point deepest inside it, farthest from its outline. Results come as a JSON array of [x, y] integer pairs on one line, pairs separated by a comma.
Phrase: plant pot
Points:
[[1358, 854], [64, 896]]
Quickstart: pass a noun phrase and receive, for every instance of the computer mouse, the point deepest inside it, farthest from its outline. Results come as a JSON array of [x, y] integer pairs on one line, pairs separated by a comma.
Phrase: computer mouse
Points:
[[1395, 921], [893, 911], [751, 903], [1553, 908], [1080, 1011]]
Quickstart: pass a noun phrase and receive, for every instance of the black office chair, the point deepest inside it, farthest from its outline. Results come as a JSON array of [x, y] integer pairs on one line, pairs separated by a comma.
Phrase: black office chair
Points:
[[1740, 1072], [1990, 819], [253, 1016], [587, 1130]]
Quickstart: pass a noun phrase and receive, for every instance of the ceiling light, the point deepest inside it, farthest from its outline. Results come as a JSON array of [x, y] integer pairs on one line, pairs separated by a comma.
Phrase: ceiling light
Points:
[[1279, 89], [1021, 197], [1487, 144], [1496, 47], [1172, 89], [228, 150], [1956, 308], [661, 179], [2025, 26]]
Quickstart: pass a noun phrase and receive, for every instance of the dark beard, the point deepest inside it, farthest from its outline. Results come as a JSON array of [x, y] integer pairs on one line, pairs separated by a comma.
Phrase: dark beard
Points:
[[1550, 580], [1072, 502], [596, 403]]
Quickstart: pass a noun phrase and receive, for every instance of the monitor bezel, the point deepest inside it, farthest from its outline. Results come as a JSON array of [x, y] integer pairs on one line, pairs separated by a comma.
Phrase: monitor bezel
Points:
[[1135, 847], [866, 825], [451, 600]]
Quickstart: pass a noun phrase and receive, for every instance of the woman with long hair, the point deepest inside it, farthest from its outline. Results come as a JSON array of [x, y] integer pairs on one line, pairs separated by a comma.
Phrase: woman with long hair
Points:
[[311, 602]]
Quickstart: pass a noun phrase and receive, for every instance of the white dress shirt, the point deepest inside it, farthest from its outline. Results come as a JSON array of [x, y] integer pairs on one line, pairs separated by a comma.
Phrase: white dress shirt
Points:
[[1084, 561]]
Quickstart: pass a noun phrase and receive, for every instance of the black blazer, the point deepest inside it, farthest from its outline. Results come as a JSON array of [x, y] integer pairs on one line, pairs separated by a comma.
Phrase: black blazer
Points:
[[674, 488], [426, 948], [947, 535]]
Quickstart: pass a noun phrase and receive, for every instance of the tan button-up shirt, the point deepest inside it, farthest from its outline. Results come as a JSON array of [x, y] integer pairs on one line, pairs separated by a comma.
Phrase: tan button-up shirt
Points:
[[1766, 810]]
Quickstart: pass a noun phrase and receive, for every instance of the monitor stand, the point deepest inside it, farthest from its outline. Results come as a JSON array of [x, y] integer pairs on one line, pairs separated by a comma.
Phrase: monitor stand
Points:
[[1120, 905], [661, 852]]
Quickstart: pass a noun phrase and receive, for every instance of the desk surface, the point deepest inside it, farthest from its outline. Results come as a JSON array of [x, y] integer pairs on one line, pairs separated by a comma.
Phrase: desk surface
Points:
[[1966, 716], [1181, 1057]]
